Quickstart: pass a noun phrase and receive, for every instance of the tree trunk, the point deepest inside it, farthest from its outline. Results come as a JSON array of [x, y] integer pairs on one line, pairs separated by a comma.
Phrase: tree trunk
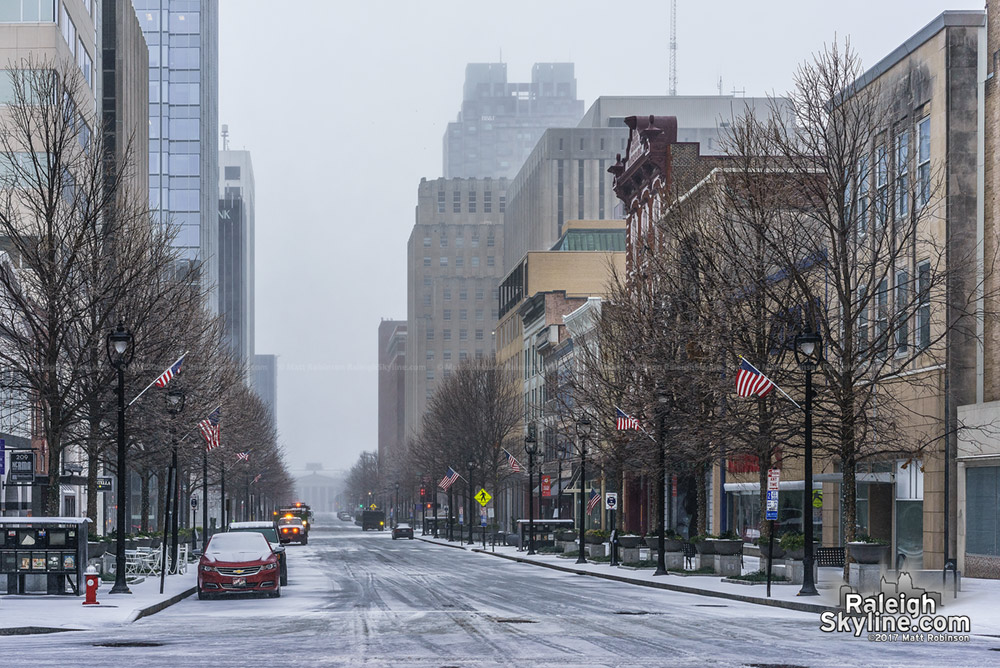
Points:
[[701, 487], [144, 477]]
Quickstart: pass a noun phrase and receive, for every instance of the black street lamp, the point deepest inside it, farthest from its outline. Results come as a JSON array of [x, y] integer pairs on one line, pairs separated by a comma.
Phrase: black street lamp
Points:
[[120, 352], [661, 477], [531, 447], [175, 404], [471, 464], [584, 428], [808, 355]]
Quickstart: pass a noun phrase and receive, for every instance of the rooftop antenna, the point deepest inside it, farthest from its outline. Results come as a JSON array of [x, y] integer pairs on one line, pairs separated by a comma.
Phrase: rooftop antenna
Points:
[[673, 47], [720, 85], [225, 137]]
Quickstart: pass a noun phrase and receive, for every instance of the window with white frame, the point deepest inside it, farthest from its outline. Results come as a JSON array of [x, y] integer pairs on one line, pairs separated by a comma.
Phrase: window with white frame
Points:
[[902, 174], [923, 161], [923, 305], [862, 192], [28, 11], [902, 308], [881, 315], [862, 309], [881, 185]]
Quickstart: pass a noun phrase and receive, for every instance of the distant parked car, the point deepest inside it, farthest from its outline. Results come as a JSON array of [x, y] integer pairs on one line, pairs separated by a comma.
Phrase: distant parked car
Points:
[[238, 563], [402, 530], [292, 531], [344, 516]]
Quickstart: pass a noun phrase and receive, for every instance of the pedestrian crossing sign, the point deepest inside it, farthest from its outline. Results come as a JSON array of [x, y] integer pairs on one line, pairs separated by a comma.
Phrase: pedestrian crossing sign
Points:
[[483, 497]]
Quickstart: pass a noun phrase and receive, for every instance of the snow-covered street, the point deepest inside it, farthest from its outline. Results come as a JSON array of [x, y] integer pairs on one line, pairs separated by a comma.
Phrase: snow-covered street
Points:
[[361, 598]]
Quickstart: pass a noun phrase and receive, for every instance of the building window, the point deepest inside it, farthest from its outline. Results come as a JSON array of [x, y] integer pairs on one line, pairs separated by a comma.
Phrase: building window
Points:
[[862, 190], [579, 187], [923, 161], [430, 333], [463, 294], [447, 314], [427, 242], [902, 174], [443, 261], [447, 294], [446, 334], [427, 261], [490, 239], [427, 300], [479, 353], [231, 173], [881, 186], [474, 242], [982, 484], [882, 315], [459, 261], [444, 240], [490, 261], [488, 202], [427, 281], [459, 240], [85, 62], [503, 203], [447, 355], [472, 201], [560, 143], [430, 374], [902, 309], [474, 260], [479, 335], [862, 310], [479, 294], [463, 335], [479, 314], [440, 201], [430, 354], [456, 202], [68, 29], [923, 305], [463, 314]]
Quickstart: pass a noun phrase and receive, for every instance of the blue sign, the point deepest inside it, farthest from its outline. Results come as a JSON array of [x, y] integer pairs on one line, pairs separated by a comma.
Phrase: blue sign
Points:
[[772, 514]]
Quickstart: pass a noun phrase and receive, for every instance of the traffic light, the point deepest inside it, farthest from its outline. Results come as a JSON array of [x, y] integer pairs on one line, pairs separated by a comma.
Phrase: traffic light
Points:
[[428, 506], [423, 493]]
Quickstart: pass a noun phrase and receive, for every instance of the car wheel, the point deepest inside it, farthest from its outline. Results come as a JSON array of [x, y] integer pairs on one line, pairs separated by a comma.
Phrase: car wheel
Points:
[[202, 596], [276, 593], [411, 537], [284, 580]]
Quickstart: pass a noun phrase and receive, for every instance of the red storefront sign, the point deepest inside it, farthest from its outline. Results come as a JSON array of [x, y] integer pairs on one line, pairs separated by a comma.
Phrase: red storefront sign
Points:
[[546, 485]]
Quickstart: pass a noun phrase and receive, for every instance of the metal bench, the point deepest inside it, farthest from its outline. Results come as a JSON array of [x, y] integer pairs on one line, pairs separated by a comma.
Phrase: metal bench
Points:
[[689, 554], [830, 556]]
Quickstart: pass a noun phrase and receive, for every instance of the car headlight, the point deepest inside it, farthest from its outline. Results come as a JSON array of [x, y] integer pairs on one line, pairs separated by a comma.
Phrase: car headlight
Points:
[[270, 567], [207, 569]]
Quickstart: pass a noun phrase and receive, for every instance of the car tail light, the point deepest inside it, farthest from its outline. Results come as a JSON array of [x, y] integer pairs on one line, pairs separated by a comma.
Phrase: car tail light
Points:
[[295, 530], [284, 531]]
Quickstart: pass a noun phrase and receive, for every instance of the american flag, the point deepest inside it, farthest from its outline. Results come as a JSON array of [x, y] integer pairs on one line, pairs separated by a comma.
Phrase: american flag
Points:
[[256, 478], [210, 429], [449, 479], [594, 499], [624, 420], [243, 456], [172, 371], [512, 462], [750, 381]]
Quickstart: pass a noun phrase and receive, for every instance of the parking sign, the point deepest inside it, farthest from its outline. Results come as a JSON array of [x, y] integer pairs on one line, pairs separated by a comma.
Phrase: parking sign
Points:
[[773, 477], [610, 500]]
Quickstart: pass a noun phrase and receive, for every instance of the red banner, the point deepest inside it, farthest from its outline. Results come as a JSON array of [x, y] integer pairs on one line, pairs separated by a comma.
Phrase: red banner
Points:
[[546, 485]]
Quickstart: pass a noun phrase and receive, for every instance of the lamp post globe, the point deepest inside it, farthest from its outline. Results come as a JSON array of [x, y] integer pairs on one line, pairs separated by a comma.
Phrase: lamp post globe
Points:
[[531, 447], [808, 355], [120, 352], [584, 429]]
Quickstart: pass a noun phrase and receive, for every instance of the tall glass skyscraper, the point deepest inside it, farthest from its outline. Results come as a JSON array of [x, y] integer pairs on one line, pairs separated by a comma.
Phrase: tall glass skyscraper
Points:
[[183, 40]]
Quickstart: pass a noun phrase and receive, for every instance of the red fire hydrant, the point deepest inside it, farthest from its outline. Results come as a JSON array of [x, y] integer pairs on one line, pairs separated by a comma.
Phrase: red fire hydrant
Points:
[[92, 579]]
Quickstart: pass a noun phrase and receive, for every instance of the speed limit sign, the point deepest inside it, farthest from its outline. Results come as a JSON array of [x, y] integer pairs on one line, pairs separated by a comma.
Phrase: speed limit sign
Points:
[[610, 500]]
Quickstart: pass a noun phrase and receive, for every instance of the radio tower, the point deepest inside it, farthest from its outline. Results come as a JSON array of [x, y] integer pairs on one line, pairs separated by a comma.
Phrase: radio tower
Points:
[[673, 47]]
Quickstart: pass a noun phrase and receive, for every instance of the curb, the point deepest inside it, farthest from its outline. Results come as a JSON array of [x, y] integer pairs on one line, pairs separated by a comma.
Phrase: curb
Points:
[[460, 546], [162, 605], [775, 603]]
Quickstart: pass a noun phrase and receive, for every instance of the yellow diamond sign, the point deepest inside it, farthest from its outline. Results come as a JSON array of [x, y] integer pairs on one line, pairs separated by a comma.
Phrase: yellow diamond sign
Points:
[[483, 497]]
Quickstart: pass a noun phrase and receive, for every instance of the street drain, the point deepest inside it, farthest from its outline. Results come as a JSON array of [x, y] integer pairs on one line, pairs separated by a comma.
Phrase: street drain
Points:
[[514, 620], [631, 612], [128, 643], [714, 605]]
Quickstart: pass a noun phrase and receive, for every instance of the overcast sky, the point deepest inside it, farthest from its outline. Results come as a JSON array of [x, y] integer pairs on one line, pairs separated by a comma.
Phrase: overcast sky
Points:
[[343, 106]]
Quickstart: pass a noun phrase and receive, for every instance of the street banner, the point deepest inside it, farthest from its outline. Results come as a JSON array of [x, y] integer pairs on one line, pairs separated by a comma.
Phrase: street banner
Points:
[[546, 485]]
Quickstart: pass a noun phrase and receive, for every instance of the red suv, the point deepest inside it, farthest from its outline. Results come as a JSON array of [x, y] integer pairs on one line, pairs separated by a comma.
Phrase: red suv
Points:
[[238, 563]]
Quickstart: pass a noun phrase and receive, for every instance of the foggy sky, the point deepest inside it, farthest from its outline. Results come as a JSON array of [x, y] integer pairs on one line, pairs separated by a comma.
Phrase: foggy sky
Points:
[[343, 106]]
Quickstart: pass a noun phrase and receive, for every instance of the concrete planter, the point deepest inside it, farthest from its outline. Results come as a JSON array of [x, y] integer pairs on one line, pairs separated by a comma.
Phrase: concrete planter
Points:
[[629, 542], [593, 540], [777, 553], [869, 553], [726, 547], [705, 546], [95, 550]]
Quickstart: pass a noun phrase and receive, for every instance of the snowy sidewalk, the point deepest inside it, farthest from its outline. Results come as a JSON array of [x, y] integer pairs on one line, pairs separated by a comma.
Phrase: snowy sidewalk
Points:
[[37, 611], [977, 599]]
